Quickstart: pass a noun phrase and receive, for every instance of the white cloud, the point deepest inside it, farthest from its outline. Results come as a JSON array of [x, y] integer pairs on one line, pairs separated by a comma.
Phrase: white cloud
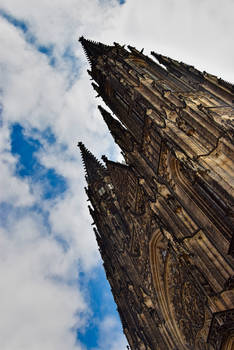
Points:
[[109, 335], [38, 309], [41, 304], [32, 90], [196, 32], [75, 229]]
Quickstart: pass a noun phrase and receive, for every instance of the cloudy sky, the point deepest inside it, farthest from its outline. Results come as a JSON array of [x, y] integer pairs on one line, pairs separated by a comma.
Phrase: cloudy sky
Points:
[[53, 289]]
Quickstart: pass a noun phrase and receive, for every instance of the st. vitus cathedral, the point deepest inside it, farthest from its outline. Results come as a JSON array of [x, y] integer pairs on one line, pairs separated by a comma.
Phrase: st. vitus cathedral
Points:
[[164, 219]]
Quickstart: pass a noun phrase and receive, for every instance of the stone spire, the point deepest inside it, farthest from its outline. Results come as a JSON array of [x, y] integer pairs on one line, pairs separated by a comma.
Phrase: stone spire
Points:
[[120, 134], [92, 166], [93, 49]]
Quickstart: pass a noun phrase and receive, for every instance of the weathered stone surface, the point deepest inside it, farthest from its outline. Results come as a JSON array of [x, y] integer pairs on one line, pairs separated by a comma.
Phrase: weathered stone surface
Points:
[[164, 220]]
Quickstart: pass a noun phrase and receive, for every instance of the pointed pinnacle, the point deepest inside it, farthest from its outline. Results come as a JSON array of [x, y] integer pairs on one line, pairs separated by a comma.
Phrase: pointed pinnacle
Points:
[[161, 59], [179, 66], [105, 159], [92, 166], [114, 126], [106, 115], [93, 49]]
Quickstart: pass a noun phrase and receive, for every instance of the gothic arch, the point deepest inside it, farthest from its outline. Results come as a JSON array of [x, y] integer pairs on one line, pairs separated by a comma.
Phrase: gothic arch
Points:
[[159, 261], [177, 177], [178, 300], [196, 201]]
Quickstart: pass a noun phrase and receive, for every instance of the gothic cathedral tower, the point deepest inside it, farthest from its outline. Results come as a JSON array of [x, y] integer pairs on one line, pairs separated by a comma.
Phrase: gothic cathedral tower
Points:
[[164, 220]]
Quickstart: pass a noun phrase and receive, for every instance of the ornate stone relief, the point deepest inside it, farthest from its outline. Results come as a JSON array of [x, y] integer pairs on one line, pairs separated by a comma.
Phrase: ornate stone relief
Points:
[[182, 303], [186, 301], [222, 327]]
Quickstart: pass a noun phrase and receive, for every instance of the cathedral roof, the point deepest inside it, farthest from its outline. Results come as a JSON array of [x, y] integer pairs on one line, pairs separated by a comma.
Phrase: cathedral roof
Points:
[[93, 49], [92, 166]]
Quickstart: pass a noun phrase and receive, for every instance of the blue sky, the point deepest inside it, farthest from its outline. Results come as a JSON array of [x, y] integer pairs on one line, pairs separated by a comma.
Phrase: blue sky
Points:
[[25, 149], [25, 146], [48, 252], [27, 143]]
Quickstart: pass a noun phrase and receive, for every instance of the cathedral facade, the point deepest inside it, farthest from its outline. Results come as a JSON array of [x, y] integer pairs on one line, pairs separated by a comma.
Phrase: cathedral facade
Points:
[[164, 219]]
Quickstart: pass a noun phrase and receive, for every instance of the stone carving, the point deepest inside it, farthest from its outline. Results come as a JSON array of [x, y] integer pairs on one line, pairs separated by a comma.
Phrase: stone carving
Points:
[[184, 126], [187, 302], [222, 326], [140, 200], [167, 250]]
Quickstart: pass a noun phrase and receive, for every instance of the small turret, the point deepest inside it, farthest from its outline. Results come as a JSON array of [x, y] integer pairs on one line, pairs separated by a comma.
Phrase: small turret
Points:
[[123, 182], [93, 167]]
